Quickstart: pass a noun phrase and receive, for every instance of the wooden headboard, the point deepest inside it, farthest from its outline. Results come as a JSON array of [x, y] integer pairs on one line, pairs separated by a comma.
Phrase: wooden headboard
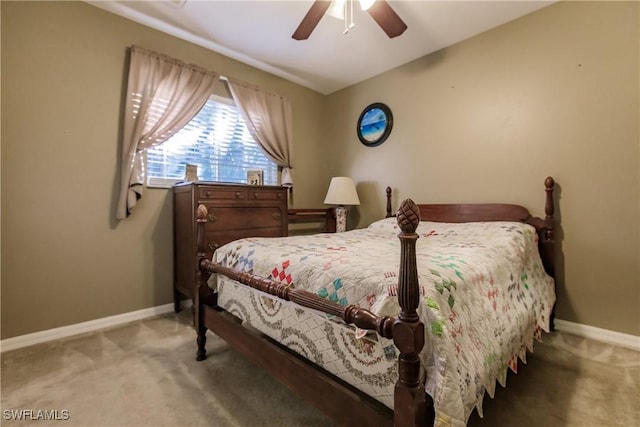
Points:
[[477, 212]]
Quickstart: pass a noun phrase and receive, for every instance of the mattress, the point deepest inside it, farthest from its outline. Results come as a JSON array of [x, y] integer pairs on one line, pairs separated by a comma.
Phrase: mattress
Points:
[[485, 298]]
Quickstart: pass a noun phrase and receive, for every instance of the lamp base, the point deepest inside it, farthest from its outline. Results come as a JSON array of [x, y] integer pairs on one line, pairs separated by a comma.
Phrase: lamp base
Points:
[[341, 219]]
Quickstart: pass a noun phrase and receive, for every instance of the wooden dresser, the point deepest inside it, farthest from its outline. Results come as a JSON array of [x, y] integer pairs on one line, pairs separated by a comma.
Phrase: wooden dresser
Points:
[[235, 211]]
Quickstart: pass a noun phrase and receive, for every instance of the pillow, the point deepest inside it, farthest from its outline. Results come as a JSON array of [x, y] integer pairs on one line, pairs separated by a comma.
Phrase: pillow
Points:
[[386, 224]]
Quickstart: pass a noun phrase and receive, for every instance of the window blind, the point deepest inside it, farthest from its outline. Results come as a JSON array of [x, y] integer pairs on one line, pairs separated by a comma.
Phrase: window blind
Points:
[[218, 142]]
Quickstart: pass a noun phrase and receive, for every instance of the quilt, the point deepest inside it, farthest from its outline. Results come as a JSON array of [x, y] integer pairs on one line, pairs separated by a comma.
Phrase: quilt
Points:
[[485, 296]]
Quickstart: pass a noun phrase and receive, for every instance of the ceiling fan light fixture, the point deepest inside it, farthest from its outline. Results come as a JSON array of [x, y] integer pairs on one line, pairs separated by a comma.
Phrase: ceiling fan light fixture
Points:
[[366, 4], [379, 10], [336, 9]]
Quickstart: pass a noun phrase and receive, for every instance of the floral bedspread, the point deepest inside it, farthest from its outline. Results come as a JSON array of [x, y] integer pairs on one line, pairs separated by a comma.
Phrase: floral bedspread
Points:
[[484, 294]]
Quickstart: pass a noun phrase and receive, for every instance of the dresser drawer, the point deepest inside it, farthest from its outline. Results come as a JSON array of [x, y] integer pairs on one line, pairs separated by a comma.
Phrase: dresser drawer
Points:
[[244, 217], [221, 193], [215, 239], [261, 194]]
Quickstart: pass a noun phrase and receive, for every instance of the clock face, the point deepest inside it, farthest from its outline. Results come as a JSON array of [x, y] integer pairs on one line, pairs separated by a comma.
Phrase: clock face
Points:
[[374, 124]]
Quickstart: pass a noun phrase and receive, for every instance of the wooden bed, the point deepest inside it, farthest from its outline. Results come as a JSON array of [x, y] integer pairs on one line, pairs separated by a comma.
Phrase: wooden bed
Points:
[[334, 397]]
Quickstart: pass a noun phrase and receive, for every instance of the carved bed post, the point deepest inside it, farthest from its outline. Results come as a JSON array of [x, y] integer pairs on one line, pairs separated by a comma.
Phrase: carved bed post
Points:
[[549, 236], [410, 399], [548, 240], [388, 191], [202, 287]]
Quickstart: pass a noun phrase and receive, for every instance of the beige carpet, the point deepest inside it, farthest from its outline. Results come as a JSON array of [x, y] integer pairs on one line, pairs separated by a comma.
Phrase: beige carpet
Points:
[[145, 374]]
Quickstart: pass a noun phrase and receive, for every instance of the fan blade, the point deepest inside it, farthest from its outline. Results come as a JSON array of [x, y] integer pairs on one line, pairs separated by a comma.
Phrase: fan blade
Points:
[[311, 19], [387, 18]]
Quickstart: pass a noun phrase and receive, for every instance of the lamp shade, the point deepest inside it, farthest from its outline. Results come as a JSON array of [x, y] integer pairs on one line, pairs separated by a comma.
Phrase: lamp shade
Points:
[[342, 191]]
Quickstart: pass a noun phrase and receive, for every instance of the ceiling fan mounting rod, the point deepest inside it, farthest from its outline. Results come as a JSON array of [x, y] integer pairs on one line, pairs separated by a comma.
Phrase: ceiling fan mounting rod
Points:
[[348, 16]]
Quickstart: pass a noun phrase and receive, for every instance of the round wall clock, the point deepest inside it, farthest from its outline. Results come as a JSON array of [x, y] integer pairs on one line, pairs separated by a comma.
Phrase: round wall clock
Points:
[[374, 124]]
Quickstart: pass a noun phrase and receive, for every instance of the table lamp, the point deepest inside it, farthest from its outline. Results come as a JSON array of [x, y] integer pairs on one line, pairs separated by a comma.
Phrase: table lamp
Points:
[[342, 191]]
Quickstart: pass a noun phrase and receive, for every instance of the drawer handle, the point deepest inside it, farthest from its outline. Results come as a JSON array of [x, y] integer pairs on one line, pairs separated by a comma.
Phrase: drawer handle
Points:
[[212, 217], [276, 215], [255, 195], [212, 246], [237, 194], [279, 196], [208, 194]]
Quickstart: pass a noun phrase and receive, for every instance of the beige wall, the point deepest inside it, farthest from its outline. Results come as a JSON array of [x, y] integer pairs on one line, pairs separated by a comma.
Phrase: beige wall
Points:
[[554, 93], [64, 258]]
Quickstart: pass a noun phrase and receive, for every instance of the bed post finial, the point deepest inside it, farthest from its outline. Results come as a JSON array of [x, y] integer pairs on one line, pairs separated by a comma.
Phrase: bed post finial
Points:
[[410, 399], [408, 216], [388, 191], [549, 209], [201, 218]]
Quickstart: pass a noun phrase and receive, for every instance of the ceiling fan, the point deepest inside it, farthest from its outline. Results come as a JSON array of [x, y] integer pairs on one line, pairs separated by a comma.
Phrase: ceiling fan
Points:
[[379, 10]]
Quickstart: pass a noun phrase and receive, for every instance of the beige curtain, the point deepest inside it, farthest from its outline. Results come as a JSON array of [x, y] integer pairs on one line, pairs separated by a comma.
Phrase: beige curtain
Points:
[[268, 118], [163, 95]]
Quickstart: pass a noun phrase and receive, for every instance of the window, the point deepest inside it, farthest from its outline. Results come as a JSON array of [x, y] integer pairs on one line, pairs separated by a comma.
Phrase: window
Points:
[[218, 142]]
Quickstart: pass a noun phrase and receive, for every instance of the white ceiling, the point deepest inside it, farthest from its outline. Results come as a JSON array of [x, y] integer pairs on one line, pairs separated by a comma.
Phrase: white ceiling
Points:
[[259, 33]]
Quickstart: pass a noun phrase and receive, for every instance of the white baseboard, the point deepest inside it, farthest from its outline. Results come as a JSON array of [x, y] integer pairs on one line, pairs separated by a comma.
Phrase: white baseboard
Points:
[[80, 328], [610, 337], [597, 334]]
